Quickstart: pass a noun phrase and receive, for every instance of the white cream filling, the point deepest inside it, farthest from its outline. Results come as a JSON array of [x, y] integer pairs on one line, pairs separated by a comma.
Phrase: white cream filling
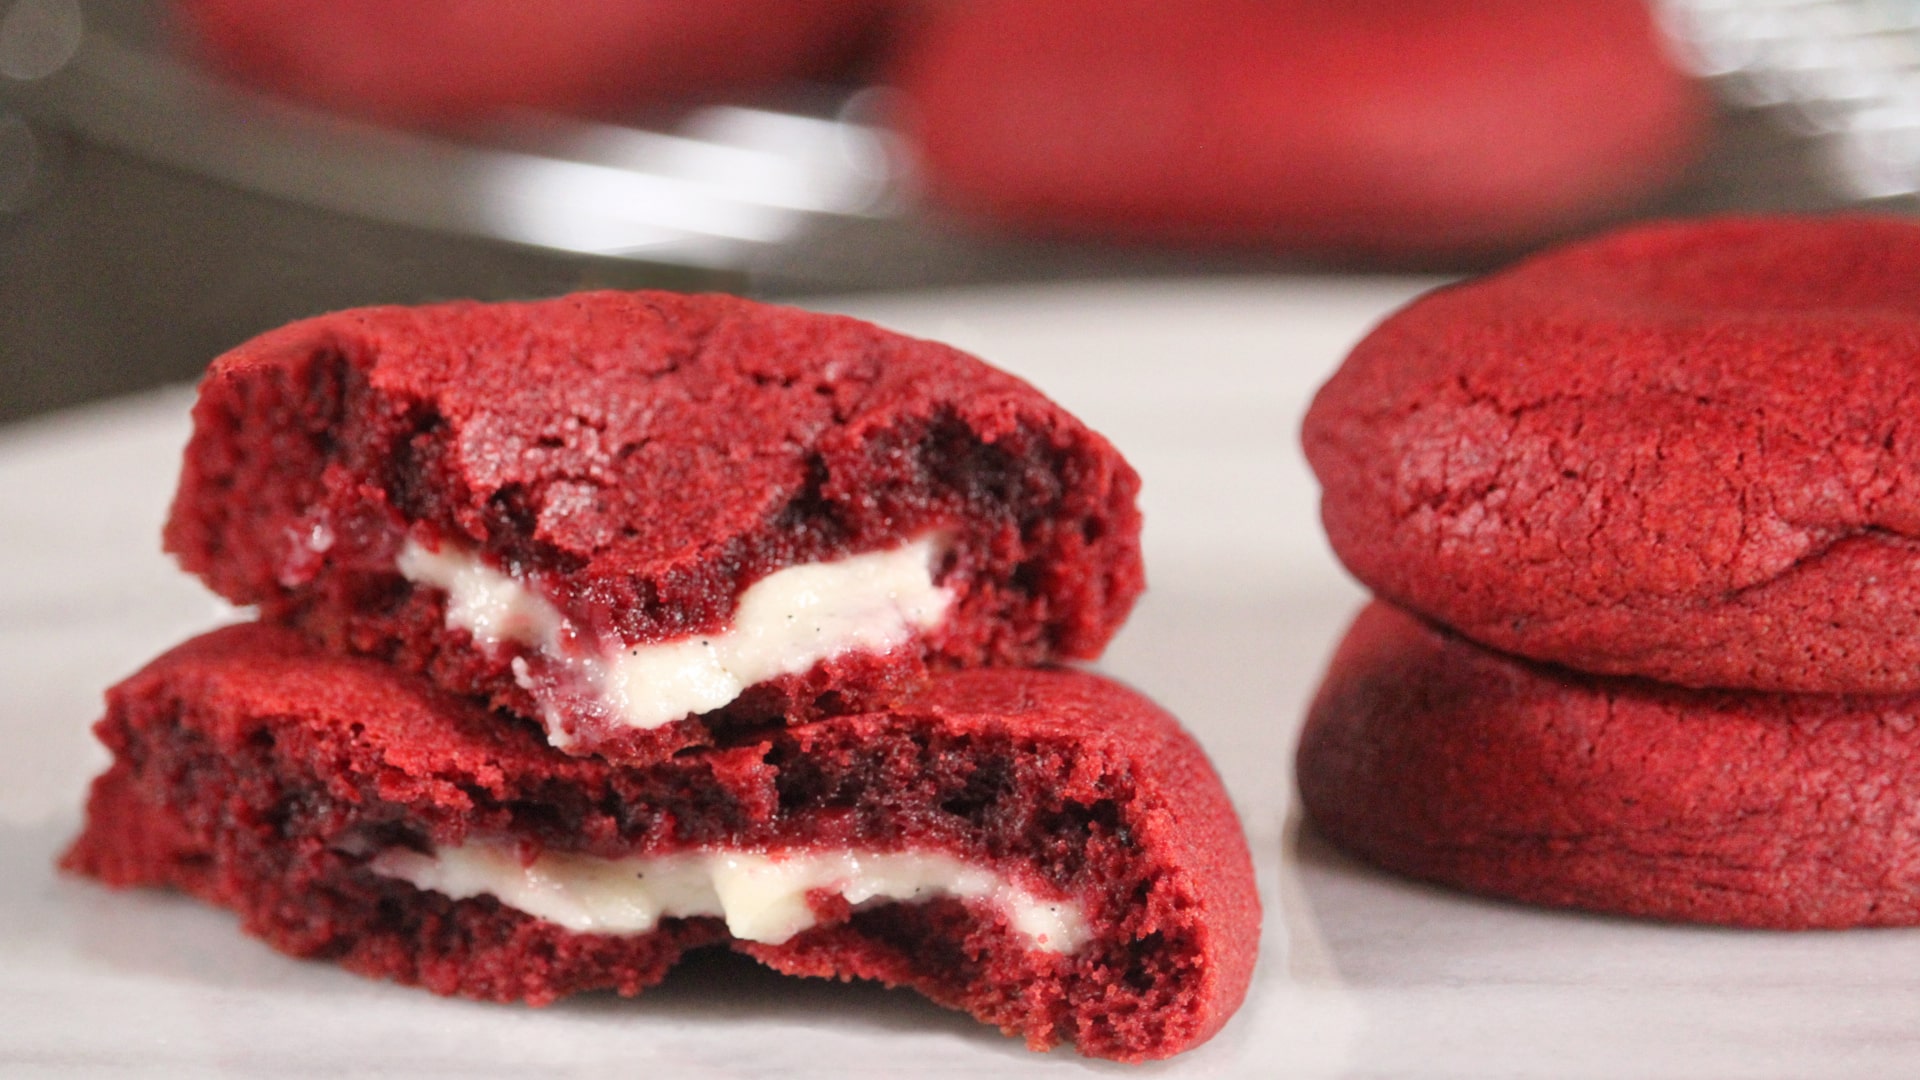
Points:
[[784, 624], [762, 897]]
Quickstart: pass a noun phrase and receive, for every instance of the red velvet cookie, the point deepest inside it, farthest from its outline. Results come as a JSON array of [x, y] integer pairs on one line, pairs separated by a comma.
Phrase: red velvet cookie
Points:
[[617, 511], [1682, 451], [1044, 849], [1434, 757], [1410, 126], [440, 62]]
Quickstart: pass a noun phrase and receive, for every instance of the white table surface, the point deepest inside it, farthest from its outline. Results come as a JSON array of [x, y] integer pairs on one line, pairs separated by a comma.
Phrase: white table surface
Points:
[[1360, 974]]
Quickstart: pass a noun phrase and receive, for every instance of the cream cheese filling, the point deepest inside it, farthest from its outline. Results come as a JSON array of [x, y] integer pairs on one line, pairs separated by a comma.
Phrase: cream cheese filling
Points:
[[783, 624], [762, 897]]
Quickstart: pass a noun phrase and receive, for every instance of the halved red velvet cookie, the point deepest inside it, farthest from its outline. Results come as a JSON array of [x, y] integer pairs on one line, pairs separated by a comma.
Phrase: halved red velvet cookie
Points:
[[1434, 757], [1685, 451], [1044, 849], [619, 511], [1410, 127]]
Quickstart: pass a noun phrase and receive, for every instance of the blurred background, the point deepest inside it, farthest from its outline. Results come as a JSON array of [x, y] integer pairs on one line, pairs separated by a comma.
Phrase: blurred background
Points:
[[177, 176]]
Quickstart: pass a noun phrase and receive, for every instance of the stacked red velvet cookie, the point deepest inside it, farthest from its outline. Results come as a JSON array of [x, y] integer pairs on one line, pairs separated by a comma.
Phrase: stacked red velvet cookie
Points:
[[1641, 514], [600, 629]]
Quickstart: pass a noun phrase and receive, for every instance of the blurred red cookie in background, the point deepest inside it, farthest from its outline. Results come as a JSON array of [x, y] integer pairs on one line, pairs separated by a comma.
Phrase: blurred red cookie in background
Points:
[[439, 62], [1377, 126]]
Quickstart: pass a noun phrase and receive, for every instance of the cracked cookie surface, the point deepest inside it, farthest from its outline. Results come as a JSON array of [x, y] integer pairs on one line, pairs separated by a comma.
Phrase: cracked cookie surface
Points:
[[1685, 452]]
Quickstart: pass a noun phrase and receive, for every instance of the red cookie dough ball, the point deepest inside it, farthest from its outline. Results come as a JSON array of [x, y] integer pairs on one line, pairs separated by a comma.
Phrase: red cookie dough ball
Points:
[[1436, 758], [1685, 452], [446, 61], [1390, 127]]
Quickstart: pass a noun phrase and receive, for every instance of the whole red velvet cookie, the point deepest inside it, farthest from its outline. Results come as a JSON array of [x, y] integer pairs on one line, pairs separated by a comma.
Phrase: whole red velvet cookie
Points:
[[447, 61], [1434, 757], [638, 515], [1683, 451], [1044, 849], [1410, 126]]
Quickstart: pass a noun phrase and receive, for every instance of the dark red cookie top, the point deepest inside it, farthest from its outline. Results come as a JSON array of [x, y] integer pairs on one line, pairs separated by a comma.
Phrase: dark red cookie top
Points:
[[1684, 451], [1438, 758], [440, 62], [1408, 127]]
